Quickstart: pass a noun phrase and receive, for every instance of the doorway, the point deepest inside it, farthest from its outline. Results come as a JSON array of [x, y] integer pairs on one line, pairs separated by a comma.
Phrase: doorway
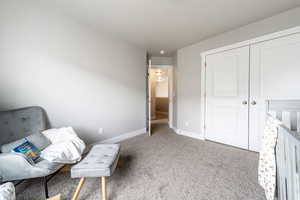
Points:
[[160, 95]]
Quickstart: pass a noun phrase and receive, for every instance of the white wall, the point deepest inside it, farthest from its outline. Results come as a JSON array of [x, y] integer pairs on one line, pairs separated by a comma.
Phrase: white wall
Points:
[[162, 89], [189, 64], [160, 60], [81, 76]]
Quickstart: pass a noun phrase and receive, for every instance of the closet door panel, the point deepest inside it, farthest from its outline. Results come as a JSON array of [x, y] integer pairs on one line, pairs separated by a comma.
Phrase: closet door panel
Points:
[[274, 74], [227, 78]]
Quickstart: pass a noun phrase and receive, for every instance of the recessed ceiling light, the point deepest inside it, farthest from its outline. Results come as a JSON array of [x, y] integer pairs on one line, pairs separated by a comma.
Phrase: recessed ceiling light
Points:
[[162, 52]]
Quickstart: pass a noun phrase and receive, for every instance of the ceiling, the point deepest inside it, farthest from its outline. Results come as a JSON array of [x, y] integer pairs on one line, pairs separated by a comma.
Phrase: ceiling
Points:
[[171, 24]]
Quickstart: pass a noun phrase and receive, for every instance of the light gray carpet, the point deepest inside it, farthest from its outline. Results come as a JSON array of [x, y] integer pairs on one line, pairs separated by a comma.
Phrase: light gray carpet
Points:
[[167, 167]]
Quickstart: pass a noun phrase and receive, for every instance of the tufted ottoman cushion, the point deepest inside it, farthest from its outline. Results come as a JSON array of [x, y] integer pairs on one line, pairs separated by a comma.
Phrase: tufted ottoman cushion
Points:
[[100, 161]]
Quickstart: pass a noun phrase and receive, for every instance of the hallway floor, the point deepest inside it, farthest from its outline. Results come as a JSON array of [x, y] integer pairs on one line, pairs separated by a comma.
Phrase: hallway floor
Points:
[[167, 166]]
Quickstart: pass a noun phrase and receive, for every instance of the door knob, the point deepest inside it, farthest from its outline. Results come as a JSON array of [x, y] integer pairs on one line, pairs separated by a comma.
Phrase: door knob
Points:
[[244, 102], [253, 102]]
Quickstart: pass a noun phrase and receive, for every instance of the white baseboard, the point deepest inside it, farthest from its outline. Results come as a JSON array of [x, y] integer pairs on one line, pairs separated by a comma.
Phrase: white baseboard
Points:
[[124, 136], [191, 134]]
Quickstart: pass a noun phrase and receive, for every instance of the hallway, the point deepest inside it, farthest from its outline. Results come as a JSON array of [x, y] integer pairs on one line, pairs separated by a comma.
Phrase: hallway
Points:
[[159, 125]]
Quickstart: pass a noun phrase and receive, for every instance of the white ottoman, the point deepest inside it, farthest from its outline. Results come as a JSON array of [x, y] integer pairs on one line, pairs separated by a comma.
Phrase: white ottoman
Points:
[[101, 161]]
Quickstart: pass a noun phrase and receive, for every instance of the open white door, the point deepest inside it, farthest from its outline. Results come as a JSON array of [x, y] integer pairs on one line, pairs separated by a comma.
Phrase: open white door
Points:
[[171, 96], [149, 96]]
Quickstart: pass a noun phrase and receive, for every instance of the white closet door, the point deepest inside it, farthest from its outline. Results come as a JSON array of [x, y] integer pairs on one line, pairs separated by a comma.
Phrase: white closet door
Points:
[[227, 92], [275, 74]]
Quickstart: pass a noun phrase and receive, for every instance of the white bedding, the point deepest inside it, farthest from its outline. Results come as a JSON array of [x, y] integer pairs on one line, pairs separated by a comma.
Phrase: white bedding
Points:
[[267, 159], [66, 146]]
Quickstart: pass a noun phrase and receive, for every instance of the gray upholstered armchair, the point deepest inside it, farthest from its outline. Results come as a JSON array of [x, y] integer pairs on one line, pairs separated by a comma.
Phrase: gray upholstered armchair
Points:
[[15, 125]]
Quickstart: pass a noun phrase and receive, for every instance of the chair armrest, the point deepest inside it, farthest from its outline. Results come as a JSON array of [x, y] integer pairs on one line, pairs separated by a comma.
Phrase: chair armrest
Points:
[[12, 165]]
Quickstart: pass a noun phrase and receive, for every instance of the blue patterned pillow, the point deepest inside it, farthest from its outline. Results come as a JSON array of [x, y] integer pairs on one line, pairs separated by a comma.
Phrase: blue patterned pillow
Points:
[[28, 149]]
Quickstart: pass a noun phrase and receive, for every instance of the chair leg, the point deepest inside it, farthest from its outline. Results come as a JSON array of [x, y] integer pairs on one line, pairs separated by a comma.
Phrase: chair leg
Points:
[[76, 194], [45, 187], [103, 185]]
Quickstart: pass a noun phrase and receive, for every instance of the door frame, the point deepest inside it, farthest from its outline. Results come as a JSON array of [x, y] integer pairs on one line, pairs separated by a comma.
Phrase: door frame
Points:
[[171, 94], [275, 35], [148, 97]]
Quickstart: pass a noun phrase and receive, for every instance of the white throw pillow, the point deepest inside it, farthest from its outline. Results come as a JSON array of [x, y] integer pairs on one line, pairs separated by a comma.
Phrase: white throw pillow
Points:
[[7, 192], [65, 152], [57, 135], [66, 146]]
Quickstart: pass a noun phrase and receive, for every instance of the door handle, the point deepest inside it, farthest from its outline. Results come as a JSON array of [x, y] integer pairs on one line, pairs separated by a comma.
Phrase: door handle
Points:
[[253, 103], [245, 102]]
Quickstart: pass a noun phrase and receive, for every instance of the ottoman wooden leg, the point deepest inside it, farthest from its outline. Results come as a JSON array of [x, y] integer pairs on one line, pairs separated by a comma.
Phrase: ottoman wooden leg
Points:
[[81, 182], [103, 185]]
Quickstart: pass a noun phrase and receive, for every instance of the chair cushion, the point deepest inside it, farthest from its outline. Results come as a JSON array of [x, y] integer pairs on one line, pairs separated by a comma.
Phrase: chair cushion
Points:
[[51, 167], [100, 161], [38, 140], [6, 148]]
